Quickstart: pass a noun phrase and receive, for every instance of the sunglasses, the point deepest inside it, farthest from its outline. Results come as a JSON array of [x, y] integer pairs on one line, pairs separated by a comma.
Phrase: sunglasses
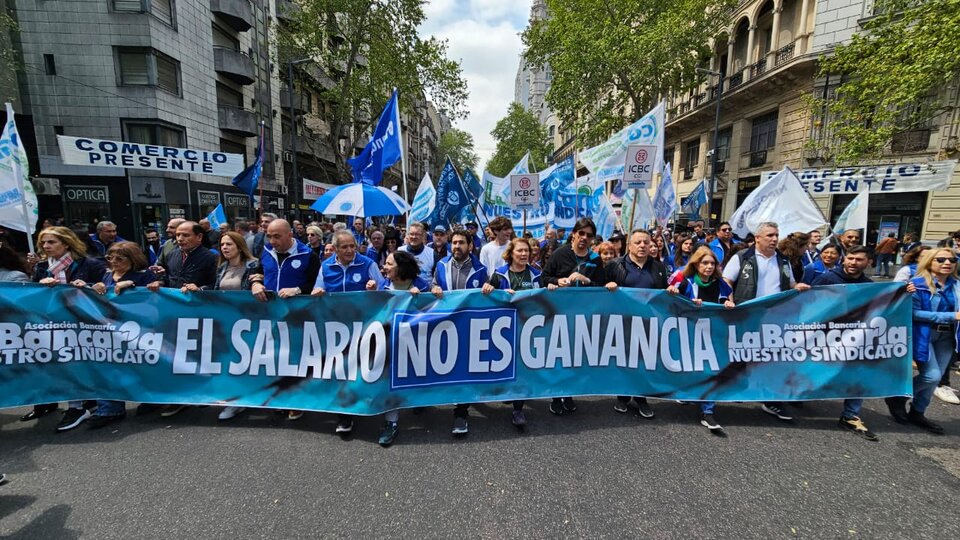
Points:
[[726, 229], [944, 260], [585, 234]]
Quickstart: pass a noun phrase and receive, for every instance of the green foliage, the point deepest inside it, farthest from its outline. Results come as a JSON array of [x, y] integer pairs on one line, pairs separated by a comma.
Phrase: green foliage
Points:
[[516, 134], [9, 63], [367, 48], [612, 61], [458, 145], [891, 76]]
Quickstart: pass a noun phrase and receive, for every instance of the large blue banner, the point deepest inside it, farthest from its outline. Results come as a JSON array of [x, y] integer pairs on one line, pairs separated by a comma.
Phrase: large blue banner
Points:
[[365, 353]]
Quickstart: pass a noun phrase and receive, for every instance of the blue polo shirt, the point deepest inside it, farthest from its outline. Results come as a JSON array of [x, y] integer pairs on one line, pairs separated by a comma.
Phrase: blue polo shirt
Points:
[[639, 278]]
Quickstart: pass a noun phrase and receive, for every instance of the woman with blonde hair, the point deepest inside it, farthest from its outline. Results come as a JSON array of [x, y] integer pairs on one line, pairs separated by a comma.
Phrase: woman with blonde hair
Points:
[[935, 332], [702, 283]]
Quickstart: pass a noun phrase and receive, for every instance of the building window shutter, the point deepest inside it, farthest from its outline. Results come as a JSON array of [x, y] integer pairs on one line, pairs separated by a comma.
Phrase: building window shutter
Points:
[[134, 69], [163, 10]]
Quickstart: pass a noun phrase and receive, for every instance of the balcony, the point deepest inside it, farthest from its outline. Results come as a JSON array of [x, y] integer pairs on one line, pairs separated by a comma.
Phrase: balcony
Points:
[[298, 102], [735, 80], [234, 65], [758, 69], [237, 121], [758, 158], [236, 13], [700, 99], [905, 142], [785, 54]]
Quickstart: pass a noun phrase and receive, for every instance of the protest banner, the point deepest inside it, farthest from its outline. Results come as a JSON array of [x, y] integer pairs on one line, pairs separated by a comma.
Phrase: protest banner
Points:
[[369, 352], [130, 155]]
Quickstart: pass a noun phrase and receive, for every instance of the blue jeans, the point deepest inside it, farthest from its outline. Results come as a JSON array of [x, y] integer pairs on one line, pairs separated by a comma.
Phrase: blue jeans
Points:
[[851, 407], [942, 345], [706, 407], [883, 263], [110, 408]]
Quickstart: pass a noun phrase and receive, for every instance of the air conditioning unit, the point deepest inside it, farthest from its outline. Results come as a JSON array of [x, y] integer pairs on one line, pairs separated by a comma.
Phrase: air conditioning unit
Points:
[[46, 186], [287, 156]]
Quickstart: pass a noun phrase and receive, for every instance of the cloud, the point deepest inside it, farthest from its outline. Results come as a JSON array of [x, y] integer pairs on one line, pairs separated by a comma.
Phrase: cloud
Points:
[[484, 35]]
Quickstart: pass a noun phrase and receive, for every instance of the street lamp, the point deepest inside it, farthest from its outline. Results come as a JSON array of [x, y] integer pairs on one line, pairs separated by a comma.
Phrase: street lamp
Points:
[[293, 135], [716, 134]]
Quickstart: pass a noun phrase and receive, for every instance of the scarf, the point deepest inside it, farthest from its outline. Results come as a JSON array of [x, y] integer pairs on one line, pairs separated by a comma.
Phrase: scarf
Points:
[[699, 282], [58, 268]]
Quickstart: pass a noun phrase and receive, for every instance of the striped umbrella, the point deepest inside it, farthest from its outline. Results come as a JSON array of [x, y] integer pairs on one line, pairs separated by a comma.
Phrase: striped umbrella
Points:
[[360, 200]]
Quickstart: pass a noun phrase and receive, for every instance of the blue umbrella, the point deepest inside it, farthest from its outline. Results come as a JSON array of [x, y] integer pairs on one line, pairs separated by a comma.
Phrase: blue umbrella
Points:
[[360, 200]]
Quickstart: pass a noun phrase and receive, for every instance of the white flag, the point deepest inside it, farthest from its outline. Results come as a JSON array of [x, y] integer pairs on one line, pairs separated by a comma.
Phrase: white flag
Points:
[[665, 199], [781, 200], [15, 186], [854, 216], [496, 190], [606, 160], [424, 201], [636, 214]]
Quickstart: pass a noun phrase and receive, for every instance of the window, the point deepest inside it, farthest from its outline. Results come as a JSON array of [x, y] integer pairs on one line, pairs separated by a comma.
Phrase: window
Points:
[[230, 147], [228, 96], [222, 38], [49, 64], [693, 156], [147, 67], [128, 6], [154, 132], [763, 134], [723, 144], [668, 154], [163, 10]]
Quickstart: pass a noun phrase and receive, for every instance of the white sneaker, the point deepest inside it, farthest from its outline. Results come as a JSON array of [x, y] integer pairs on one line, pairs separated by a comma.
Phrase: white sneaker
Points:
[[946, 395], [229, 412]]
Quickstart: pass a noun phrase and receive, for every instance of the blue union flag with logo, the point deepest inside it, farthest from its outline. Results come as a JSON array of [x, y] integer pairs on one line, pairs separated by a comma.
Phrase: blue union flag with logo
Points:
[[451, 199]]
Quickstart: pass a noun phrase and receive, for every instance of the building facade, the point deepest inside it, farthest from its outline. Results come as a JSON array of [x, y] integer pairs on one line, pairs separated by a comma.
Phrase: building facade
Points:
[[767, 64]]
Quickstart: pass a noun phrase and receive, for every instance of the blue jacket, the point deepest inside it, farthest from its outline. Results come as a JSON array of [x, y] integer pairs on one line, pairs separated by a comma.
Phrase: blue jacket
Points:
[[292, 273], [718, 249], [139, 279], [690, 290], [503, 279], [418, 282], [100, 246], [444, 276], [813, 271], [924, 316], [678, 261], [152, 255], [335, 278]]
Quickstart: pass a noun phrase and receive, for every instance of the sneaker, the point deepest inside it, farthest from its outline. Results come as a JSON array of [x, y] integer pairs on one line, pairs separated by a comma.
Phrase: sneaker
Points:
[[3, 479], [777, 410], [73, 418], [296, 415], [898, 409], [919, 420], [856, 425], [709, 422], [345, 426], [97, 421], [569, 405], [556, 407], [460, 426], [147, 408], [644, 408], [620, 407], [229, 412], [519, 419], [38, 411], [946, 395], [389, 434], [173, 410]]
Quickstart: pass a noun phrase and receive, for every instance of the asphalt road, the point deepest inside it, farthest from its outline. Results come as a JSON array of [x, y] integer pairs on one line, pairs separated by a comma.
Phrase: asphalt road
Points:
[[593, 474]]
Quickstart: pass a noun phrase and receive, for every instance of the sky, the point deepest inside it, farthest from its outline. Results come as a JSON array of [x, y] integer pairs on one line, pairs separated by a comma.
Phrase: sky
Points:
[[484, 36]]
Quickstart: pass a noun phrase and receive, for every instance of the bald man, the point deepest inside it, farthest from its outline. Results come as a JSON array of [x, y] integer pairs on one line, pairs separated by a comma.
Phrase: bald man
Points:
[[290, 267]]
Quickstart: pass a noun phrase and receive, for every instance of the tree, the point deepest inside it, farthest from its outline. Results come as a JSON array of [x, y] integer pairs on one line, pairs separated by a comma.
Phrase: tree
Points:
[[890, 78], [367, 48], [458, 144], [516, 134], [9, 63], [612, 61]]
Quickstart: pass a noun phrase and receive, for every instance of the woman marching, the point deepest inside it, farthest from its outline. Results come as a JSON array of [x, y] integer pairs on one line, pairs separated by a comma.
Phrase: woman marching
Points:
[[517, 275], [702, 283], [827, 261]]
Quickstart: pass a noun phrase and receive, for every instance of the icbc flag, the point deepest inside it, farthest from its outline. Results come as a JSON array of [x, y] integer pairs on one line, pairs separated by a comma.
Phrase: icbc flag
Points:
[[525, 191], [638, 168]]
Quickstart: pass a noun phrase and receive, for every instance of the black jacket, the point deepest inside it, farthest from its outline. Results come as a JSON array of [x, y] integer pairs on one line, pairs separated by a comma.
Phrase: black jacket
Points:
[[88, 269], [250, 268], [200, 268], [564, 262], [617, 271]]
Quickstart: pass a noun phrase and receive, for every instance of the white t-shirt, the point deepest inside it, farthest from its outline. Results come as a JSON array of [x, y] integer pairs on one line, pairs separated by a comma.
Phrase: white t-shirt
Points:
[[424, 260], [491, 255], [768, 274]]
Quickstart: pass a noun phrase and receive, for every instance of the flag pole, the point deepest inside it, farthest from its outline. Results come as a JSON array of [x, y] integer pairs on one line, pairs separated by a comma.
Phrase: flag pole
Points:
[[403, 159]]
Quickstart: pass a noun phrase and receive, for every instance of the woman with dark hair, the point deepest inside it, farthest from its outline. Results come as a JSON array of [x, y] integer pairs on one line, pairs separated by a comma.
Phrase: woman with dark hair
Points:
[[794, 247], [619, 242], [827, 261], [909, 268], [391, 241], [127, 268], [547, 251], [402, 273], [683, 249], [12, 267], [702, 283], [516, 275], [574, 265], [66, 263]]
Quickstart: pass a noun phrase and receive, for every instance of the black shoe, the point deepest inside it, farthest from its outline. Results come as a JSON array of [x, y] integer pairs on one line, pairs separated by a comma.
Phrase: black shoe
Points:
[[569, 405], [147, 408], [98, 422], [71, 419], [778, 410], [856, 425], [173, 410], [556, 407], [919, 420], [709, 422], [644, 408], [898, 409], [344, 426], [389, 434], [3, 479], [460, 426], [38, 411]]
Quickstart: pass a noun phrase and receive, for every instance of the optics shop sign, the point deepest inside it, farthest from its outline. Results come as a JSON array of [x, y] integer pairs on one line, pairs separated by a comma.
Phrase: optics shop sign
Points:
[[525, 191], [128, 155], [896, 178], [638, 167]]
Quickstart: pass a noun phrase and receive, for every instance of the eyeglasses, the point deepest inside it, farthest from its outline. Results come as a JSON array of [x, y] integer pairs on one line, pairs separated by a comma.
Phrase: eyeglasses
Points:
[[585, 234], [726, 229], [944, 260], [111, 258]]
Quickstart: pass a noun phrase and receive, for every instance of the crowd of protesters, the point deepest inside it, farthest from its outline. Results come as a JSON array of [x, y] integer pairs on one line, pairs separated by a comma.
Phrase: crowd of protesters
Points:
[[275, 259]]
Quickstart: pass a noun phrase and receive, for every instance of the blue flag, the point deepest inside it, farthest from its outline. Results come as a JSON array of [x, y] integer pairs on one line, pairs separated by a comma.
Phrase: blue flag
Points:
[[217, 217], [451, 199], [473, 184], [384, 148], [665, 201], [696, 199], [249, 178]]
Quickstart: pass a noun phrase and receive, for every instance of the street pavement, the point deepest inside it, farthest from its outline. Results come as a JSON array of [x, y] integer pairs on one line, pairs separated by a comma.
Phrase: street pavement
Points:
[[595, 474]]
